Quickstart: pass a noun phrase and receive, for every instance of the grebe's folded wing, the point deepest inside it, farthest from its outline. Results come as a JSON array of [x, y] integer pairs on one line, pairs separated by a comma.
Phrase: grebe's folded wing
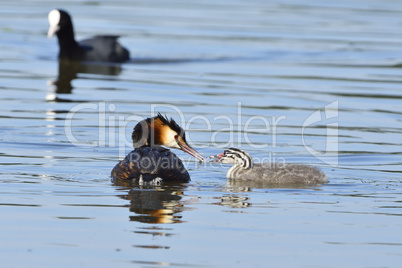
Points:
[[150, 163]]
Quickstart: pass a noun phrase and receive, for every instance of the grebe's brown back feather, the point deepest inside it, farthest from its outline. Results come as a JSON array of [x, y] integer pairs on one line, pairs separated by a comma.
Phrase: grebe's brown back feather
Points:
[[148, 164]]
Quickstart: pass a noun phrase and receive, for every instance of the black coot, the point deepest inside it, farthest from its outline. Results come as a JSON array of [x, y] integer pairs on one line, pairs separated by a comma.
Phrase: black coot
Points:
[[104, 48]]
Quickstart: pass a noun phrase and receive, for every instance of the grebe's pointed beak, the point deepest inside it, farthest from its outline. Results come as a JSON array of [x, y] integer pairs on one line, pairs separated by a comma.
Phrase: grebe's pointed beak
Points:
[[186, 148]]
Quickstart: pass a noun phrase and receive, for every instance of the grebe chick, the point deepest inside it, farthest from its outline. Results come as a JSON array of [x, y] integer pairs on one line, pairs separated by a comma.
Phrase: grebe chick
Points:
[[151, 163], [101, 48], [244, 169]]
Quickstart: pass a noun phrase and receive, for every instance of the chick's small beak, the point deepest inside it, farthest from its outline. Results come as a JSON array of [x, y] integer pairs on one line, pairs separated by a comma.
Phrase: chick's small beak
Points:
[[186, 148], [215, 158]]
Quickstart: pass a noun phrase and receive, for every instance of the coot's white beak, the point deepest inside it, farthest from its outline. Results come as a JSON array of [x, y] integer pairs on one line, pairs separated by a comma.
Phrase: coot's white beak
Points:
[[52, 30]]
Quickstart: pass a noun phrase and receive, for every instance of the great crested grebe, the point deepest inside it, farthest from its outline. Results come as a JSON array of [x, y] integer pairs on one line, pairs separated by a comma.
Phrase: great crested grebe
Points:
[[151, 163], [244, 169], [101, 48]]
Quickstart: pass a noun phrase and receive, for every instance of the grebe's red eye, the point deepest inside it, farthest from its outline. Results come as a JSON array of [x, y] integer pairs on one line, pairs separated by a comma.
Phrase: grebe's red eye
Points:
[[176, 137]]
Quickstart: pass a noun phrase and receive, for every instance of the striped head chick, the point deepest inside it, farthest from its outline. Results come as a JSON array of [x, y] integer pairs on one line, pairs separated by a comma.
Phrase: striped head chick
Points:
[[235, 156]]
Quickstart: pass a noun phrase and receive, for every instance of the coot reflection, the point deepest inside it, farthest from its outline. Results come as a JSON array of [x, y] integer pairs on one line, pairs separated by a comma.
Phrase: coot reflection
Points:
[[69, 70]]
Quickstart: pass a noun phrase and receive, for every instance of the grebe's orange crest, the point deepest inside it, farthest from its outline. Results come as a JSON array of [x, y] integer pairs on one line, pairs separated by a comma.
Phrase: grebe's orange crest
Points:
[[159, 130]]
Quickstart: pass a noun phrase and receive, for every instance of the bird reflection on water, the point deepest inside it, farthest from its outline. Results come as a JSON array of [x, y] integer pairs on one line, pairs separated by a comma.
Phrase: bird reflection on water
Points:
[[154, 204], [69, 70]]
